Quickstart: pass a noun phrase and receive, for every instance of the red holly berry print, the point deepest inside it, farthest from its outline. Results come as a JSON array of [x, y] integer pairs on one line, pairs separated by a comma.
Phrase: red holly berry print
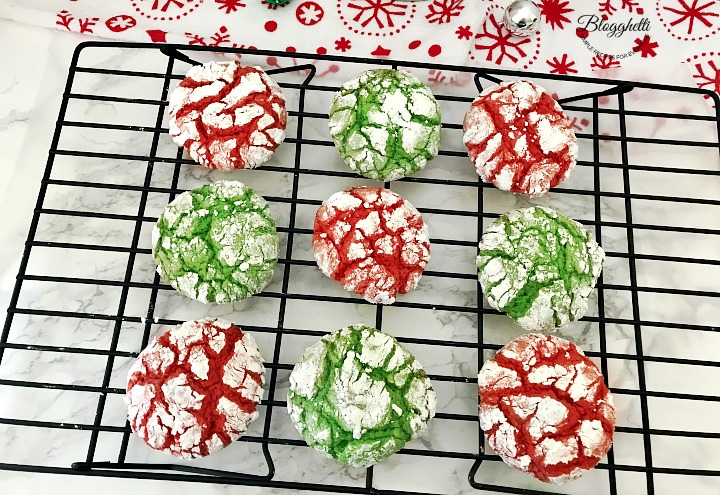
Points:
[[464, 33], [229, 5], [120, 23], [707, 76], [309, 13], [604, 62], [498, 42], [691, 13], [554, 12], [441, 11], [645, 47], [379, 12], [84, 25], [562, 66], [343, 44]]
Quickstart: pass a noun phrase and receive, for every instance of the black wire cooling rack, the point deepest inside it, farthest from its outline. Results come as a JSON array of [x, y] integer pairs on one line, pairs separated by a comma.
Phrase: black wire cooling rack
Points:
[[615, 195]]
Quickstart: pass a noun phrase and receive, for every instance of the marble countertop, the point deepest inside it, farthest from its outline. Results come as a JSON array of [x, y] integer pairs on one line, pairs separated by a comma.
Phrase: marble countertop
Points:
[[30, 94]]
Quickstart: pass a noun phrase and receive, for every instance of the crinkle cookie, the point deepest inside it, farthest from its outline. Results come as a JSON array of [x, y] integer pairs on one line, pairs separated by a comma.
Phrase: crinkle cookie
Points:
[[386, 124], [539, 267], [195, 389], [545, 408], [359, 396], [216, 243], [371, 241], [519, 138], [228, 116]]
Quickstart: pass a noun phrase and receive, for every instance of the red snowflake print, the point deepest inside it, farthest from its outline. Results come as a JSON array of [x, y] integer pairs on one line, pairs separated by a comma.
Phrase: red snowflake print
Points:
[[165, 10], [380, 51], [691, 13], [708, 78], [120, 23], [229, 5], [343, 44], [380, 11], [458, 79], [630, 5], [501, 40], [157, 35], [84, 25], [579, 124], [606, 8], [441, 11], [645, 47], [309, 13], [221, 37], [167, 3], [562, 66], [464, 33], [554, 12], [604, 62]]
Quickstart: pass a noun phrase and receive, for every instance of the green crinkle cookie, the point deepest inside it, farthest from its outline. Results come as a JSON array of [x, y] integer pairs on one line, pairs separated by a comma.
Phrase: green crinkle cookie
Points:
[[216, 243], [386, 124], [539, 267], [359, 396]]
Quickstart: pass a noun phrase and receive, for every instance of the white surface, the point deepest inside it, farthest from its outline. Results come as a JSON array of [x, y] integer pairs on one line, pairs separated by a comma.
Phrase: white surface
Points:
[[35, 65]]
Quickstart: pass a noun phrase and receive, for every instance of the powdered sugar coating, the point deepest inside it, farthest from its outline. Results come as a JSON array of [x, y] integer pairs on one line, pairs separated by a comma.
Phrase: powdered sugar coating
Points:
[[386, 124], [228, 116], [519, 138], [358, 396], [195, 389], [539, 267], [217, 243], [545, 408], [372, 241]]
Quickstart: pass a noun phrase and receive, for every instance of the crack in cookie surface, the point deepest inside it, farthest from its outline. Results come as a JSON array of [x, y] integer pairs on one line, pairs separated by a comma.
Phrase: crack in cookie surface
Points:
[[228, 116], [372, 241], [195, 389], [359, 396], [519, 138], [545, 408], [386, 124]]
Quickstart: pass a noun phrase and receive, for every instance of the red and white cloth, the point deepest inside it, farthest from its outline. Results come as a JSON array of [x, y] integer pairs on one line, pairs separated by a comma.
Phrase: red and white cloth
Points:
[[682, 45]]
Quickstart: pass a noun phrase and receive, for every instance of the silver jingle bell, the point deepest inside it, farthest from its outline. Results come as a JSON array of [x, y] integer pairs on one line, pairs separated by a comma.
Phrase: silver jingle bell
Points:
[[522, 18]]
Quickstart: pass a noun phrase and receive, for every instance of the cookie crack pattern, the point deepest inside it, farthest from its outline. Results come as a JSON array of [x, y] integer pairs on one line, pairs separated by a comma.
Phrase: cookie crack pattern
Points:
[[195, 389], [359, 396], [539, 267], [519, 138], [372, 241], [228, 116], [545, 408], [386, 124], [217, 243]]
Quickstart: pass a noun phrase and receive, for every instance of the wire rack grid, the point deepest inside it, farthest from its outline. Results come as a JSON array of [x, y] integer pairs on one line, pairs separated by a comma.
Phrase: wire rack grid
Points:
[[619, 209]]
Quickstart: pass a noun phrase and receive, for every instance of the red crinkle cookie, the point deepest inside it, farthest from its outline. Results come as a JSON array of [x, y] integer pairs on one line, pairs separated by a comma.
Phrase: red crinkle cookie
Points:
[[228, 116], [196, 388], [372, 241], [545, 408], [519, 138]]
